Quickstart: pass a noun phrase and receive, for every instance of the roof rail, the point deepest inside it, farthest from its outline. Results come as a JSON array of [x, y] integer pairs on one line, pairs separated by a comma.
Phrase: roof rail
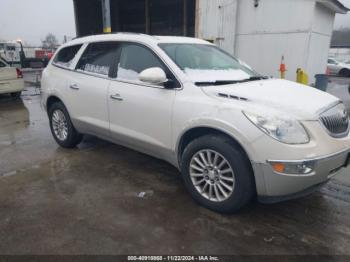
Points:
[[122, 32]]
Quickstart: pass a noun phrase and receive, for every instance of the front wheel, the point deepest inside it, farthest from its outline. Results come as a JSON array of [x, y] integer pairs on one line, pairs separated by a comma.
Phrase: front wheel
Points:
[[62, 128], [217, 174]]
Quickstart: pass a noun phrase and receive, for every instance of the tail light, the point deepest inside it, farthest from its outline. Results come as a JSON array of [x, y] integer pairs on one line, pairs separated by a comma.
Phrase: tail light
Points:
[[19, 73], [328, 71]]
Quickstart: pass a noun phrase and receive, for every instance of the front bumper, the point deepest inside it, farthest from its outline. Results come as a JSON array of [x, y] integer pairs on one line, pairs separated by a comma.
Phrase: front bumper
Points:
[[279, 187]]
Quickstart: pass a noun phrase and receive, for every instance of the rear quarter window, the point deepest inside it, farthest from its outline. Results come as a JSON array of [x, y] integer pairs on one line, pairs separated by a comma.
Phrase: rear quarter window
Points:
[[66, 56]]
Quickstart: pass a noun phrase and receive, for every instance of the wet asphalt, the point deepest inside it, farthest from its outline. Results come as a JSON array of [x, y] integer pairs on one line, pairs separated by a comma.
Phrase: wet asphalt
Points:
[[101, 198]]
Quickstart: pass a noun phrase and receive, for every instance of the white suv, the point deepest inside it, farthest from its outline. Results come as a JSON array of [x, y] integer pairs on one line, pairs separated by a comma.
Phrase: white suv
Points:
[[232, 133]]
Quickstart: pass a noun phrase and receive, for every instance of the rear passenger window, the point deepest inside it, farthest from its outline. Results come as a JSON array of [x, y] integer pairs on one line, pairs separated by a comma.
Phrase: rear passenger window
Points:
[[98, 58], [66, 55], [134, 59], [2, 64]]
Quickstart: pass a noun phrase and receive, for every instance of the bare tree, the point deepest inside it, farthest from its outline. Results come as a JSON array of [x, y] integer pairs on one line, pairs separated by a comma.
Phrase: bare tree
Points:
[[50, 41]]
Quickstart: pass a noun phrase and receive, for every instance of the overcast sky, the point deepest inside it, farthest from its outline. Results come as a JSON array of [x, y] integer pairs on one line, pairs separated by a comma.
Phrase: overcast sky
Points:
[[31, 20], [343, 20]]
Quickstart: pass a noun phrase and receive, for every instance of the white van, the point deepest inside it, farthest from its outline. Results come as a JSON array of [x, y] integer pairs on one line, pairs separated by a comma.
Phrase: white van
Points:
[[9, 52]]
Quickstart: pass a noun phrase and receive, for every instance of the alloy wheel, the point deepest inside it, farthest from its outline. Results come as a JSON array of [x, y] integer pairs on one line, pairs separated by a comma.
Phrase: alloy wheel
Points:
[[212, 175], [59, 125]]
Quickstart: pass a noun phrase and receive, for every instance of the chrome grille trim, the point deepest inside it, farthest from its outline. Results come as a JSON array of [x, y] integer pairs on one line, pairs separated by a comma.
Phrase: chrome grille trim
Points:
[[336, 121]]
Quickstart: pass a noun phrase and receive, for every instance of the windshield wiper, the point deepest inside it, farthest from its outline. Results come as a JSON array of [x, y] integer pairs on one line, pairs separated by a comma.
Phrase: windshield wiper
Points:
[[255, 78], [228, 82], [216, 83]]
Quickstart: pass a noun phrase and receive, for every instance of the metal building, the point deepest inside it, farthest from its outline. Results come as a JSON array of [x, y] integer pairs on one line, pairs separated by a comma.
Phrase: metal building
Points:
[[257, 31]]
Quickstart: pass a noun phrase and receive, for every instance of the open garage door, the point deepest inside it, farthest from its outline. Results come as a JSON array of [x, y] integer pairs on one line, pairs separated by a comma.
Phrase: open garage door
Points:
[[156, 17]]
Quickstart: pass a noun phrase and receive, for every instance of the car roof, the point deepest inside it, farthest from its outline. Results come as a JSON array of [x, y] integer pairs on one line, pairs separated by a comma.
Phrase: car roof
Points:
[[135, 37]]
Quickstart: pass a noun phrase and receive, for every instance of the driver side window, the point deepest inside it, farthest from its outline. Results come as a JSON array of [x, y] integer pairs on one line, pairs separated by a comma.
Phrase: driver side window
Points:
[[134, 59]]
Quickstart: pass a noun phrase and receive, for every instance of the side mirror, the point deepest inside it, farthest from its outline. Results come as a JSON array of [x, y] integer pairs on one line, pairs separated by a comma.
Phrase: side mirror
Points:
[[153, 75]]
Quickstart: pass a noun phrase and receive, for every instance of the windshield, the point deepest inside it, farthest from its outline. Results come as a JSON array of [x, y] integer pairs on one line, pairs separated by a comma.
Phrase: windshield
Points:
[[10, 48], [207, 63]]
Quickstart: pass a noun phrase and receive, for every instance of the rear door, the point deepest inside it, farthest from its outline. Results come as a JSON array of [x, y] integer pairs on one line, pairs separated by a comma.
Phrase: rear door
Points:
[[88, 88]]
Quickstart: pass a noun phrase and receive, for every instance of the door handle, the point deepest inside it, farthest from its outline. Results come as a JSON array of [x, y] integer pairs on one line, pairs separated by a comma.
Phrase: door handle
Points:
[[117, 97], [74, 86]]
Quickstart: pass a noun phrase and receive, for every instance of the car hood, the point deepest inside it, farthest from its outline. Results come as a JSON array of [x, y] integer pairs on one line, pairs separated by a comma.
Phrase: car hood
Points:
[[275, 96]]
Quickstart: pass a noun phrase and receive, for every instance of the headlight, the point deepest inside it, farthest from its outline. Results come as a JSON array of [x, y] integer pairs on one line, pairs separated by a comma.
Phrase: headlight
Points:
[[287, 131]]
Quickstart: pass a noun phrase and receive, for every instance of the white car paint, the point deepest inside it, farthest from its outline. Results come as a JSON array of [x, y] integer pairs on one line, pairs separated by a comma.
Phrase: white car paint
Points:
[[10, 81], [337, 68], [10, 52], [152, 119]]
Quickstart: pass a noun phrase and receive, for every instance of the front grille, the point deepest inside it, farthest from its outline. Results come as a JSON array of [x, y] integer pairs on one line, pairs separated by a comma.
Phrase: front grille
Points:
[[336, 121]]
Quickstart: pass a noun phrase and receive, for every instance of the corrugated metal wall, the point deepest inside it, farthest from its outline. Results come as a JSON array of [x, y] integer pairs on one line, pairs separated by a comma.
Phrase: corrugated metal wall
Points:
[[217, 22], [298, 29]]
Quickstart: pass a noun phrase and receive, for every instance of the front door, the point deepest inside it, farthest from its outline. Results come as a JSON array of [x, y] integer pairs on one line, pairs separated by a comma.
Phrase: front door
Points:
[[140, 113]]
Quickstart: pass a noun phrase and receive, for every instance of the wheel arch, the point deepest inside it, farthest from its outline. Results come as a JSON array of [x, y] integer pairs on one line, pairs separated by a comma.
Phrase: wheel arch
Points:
[[344, 72], [51, 100], [195, 132]]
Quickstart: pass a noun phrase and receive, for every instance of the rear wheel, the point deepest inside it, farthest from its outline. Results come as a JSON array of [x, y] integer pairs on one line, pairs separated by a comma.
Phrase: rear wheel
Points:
[[217, 174], [16, 94], [62, 128]]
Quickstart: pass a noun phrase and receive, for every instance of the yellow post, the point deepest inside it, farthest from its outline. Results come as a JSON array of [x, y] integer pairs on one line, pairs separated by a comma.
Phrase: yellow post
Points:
[[302, 77]]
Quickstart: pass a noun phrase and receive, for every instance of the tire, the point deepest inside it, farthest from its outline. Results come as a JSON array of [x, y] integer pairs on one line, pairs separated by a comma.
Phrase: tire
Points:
[[68, 137], [16, 94], [243, 185], [344, 72]]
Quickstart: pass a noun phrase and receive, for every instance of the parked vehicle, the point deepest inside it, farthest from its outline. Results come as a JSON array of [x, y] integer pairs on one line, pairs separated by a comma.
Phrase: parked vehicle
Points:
[[232, 133], [338, 68], [9, 52], [11, 80]]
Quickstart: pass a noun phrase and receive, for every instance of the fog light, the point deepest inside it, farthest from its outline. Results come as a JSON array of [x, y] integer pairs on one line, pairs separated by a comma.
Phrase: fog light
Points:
[[293, 168]]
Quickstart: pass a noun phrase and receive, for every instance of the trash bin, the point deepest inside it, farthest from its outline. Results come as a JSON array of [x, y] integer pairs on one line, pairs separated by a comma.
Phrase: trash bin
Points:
[[322, 81]]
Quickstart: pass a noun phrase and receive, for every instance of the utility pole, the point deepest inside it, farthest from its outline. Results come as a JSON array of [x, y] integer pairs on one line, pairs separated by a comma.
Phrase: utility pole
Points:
[[106, 15], [22, 56]]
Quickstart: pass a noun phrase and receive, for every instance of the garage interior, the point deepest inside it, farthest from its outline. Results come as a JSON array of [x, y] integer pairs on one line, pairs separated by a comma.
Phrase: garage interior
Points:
[[155, 17]]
